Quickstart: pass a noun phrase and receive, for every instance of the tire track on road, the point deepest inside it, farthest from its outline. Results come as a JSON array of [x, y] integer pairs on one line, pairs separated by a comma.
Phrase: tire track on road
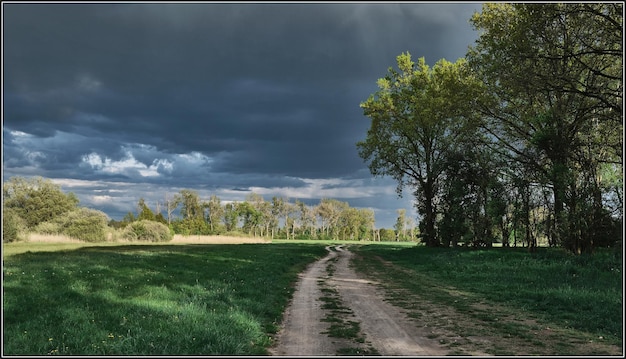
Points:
[[383, 325]]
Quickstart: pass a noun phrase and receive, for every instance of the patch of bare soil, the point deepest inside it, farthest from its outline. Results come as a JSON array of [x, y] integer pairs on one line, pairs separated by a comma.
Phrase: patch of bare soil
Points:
[[384, 328]]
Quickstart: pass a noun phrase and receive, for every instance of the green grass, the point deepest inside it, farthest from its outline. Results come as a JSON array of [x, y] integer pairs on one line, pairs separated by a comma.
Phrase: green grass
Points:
[[583, 293], [112, 299], [149, 299]]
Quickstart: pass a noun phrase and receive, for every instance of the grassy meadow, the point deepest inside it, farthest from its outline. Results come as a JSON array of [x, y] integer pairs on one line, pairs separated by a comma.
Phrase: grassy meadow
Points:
[[228, 299], [510, 292], [148, 299]]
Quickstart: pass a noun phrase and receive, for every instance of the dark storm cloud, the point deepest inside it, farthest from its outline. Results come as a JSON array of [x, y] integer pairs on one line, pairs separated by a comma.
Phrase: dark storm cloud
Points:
[[205, 95]]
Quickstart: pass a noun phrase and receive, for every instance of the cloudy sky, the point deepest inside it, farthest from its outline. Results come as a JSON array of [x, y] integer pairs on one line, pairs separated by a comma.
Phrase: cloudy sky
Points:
[[121, 101]]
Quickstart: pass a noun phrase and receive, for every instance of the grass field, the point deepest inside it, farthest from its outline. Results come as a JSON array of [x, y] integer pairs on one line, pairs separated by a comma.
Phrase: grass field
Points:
[[204, 299], [149, 299], [510, 292]]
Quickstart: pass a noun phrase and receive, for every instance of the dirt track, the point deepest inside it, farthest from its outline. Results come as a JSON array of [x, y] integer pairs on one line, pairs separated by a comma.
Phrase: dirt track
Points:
[[384, 327]]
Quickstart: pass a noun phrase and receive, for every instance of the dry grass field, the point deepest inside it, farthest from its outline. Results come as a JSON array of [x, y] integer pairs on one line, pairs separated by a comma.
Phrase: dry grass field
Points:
[[51, 238], [180, 239]]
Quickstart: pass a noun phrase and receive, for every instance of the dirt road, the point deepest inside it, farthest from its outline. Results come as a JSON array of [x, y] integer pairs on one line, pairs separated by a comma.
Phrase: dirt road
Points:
[[382, 328]]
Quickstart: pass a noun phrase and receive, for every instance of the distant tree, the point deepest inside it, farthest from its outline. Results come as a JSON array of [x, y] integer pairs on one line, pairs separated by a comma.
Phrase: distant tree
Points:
[[249, 217], [116, 224], [128, 218], [36, 200], [263, 212], [171, 203], [190, 204], [159, 218], [291, 214], [215, 213], [277, 210], [330, 211], [410, 226], [144, 212], [230, 216], [367, 223], [307, 218], [400, 225], [387, 235]]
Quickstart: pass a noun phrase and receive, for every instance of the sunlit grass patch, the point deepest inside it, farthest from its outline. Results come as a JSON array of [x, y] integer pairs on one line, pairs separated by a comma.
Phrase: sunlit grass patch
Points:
[[507, 292], [150, 300]]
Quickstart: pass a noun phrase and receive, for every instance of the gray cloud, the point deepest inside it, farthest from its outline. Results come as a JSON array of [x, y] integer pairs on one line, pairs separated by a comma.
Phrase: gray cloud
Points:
[[205, 95]]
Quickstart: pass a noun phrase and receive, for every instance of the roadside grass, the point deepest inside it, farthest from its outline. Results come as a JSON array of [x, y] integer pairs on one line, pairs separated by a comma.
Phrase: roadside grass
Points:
[[149, 299], [551, 302]]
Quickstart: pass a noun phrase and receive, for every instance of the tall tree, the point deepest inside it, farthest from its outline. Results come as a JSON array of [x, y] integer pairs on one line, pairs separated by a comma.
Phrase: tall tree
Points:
[[417, 116], [400, 225], [215, 212], [230, 216], [190, 204], [263, 212], [171, 203], [367, 223], [555, 75], [277, 211], [307, 218]]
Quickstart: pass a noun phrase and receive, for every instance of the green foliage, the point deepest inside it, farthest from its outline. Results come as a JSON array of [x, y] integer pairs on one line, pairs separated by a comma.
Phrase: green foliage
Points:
[[387, 235], [554, 75], [36, 199], [191, 206], [418, 116], [148, 231], [13, 226], [50, 227], [145, 213], [191, 226], [85, 224], [159, 218]]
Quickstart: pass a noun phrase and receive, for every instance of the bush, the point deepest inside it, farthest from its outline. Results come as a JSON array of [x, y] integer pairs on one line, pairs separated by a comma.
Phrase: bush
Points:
[[82, 223], [48, 228], [13, 226], [145, 230], [87, 224]]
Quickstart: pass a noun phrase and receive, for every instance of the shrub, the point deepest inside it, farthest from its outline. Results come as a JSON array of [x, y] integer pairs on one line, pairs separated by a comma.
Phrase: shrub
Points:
[[84, 224], [48, 228], [145, 230], [13, 226]]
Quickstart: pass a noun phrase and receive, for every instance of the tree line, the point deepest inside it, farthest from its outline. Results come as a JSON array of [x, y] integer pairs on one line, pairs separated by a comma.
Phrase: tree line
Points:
[[186, 213], [519, 142], [37, 205]]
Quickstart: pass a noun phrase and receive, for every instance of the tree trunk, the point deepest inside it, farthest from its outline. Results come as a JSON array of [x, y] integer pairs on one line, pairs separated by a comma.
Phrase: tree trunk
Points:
[[429, 216]]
